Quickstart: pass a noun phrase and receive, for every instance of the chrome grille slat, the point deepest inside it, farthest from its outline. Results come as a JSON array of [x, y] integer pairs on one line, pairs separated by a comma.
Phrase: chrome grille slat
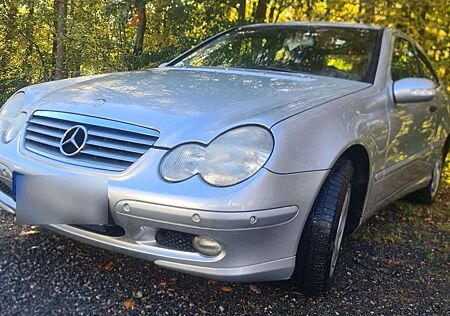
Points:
[[109, 155], [62, 125], [111, 145], [123, 138], [39, 148], [45, 131], [105, 144], [43, 140]]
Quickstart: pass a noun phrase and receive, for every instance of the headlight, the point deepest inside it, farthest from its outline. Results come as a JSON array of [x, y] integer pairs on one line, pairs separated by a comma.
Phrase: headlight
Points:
[[11, 117], [229, 159]]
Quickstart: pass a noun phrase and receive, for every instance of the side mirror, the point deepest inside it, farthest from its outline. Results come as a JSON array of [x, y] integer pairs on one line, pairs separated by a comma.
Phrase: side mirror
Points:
[[163, 65], [411, 90]]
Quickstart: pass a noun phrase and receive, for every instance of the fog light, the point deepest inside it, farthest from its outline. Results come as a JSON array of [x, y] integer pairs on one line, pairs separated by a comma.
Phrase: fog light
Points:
[[206, 246]]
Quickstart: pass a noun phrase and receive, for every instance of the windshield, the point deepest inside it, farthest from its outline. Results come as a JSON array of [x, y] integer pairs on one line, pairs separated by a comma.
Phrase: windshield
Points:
[[347, 53]]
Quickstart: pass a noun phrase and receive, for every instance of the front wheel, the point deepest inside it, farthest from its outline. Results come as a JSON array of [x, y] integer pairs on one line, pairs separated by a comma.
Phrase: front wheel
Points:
[[322, 236]]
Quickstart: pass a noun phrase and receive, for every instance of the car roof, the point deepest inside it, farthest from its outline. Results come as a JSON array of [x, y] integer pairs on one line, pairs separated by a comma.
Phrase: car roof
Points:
[[320, 24]]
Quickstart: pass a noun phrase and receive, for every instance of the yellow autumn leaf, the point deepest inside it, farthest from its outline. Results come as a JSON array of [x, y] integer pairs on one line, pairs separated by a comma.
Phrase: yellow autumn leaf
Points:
[[129, 304]]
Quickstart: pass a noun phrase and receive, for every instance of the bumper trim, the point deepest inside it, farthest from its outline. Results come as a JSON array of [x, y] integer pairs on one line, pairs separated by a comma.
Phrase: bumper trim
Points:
[[3, 203], [276, 270], [148, 251], [214, 220]]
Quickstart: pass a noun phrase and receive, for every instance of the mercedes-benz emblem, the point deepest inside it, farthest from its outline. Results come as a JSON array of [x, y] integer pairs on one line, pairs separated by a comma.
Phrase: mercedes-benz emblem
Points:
[[73, 141]]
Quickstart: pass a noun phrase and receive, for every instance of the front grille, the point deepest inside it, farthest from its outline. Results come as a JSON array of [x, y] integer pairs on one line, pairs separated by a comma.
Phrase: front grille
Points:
[[110, 145], [6, 189], [175, 240]]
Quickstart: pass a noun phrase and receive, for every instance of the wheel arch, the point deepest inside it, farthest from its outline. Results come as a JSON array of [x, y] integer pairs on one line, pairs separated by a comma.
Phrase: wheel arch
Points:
[[358, 155]]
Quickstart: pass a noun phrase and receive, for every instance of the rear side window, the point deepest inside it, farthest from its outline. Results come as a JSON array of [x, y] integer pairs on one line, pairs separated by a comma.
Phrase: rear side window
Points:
[[404, 61]]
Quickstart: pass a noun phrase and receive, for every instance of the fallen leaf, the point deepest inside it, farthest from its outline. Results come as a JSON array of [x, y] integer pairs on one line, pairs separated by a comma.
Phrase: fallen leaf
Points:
[[392, 262], [128, 304], [390, 240], [28, 232], [226, 289], [213, 282], [107, 266], [255, 289], [167, 282], [296, 293]]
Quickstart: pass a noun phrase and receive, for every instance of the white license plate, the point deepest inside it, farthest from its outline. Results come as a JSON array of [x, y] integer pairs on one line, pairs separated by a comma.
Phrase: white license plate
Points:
[[60, 199]]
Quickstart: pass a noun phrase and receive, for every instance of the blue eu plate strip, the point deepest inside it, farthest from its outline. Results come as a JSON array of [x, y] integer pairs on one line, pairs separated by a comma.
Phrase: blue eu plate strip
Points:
[[14, 183]]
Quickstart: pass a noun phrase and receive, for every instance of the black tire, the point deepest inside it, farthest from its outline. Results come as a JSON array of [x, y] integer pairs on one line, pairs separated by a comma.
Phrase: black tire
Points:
[[428, 194], [314, 269]]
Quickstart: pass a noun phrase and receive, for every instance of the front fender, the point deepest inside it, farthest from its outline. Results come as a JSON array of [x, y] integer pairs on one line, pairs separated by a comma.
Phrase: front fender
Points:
[[315, 139]]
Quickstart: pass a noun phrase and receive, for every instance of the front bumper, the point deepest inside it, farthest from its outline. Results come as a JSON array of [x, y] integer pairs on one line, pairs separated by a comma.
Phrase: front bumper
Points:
[[260, 250]]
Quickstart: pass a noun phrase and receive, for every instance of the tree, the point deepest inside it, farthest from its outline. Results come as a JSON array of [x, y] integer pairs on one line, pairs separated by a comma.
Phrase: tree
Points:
[[242, 8], [260, 12], [52, 39], [59, 46], [141, 25]]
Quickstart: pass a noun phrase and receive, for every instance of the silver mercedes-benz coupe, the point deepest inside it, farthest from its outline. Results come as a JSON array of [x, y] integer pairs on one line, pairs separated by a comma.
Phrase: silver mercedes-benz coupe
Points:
[[247, 158]]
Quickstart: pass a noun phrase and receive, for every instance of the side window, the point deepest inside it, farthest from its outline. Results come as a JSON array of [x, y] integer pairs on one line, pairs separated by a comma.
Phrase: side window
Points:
[[427, 70], [404, 61]]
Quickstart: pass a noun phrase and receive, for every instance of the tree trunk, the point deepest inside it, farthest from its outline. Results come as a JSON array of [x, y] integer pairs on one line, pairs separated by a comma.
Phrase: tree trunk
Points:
[[60, 64], [55, 27], [309, 10], [271, 14], [29, 32], [142, 22], [241, 11], [261, 9]]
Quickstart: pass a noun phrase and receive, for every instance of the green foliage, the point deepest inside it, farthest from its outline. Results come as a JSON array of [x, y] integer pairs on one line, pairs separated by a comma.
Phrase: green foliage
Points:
[[100, 34]]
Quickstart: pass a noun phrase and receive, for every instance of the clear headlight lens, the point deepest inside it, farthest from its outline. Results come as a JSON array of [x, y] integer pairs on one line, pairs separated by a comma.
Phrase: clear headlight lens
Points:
[[11, 117], [229, 159]]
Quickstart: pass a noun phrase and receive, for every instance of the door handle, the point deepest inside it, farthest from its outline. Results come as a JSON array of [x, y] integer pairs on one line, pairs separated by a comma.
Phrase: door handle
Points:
[[433, 108]]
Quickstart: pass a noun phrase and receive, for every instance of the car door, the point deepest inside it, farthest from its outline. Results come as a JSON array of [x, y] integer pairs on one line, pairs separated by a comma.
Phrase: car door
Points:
[[427, 71], [408, 158]]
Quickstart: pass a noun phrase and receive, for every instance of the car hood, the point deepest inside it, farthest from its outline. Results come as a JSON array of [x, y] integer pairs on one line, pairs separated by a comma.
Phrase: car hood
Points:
[[191, 104]]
